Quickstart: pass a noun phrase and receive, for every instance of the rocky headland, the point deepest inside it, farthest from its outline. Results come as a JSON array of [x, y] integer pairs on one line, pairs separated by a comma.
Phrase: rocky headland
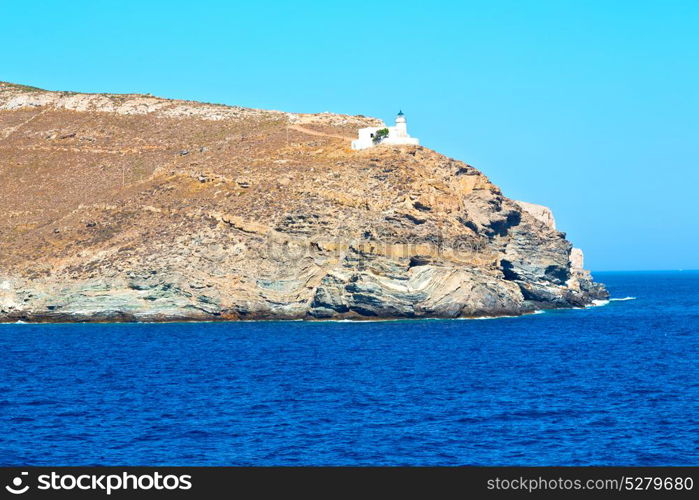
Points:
[[137, 208]]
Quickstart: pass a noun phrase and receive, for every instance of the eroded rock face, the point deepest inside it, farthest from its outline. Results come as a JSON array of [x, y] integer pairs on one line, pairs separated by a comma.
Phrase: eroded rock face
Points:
[[539, 212], [269, 215]]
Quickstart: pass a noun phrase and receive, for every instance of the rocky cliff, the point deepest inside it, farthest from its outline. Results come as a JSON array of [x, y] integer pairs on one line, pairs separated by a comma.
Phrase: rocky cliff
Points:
[[132, 207]]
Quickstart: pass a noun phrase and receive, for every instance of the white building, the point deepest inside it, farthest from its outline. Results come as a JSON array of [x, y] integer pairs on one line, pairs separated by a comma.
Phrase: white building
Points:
[[370, 136]]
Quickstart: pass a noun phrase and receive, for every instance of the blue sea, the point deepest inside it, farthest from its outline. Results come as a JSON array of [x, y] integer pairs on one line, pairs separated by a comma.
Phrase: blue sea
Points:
[[616, 384]]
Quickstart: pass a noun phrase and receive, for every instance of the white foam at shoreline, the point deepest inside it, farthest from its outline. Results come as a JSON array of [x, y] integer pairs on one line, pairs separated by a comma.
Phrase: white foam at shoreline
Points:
[[600, 303], [490, 317]]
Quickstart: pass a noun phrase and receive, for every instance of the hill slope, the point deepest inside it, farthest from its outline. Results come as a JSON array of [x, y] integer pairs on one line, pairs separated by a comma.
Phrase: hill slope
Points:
[[132, 207]]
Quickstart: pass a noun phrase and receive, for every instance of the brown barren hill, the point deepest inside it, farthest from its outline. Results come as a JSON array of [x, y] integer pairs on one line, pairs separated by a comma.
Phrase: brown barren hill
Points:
[[133, 207]]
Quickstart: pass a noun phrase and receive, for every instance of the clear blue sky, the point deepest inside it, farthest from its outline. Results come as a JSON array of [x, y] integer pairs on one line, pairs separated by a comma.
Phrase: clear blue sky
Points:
[[589, 107]]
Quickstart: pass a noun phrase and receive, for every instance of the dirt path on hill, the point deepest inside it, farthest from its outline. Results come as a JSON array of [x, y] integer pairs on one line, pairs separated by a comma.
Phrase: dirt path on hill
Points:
[[11, 130], [309, 131]]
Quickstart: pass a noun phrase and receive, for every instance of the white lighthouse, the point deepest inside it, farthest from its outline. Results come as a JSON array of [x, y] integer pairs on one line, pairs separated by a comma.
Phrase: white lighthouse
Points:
[[401, 125], [371, 136]]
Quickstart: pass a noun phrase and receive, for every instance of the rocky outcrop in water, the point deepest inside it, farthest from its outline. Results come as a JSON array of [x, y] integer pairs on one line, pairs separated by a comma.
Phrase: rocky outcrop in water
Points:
[[126, 207]]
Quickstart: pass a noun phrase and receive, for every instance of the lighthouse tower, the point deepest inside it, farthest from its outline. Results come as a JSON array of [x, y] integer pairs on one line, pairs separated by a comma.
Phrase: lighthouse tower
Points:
[[401, 126]]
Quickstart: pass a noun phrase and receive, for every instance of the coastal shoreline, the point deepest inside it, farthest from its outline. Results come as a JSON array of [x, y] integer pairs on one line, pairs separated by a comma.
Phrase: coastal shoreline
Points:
[[353, 319]]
